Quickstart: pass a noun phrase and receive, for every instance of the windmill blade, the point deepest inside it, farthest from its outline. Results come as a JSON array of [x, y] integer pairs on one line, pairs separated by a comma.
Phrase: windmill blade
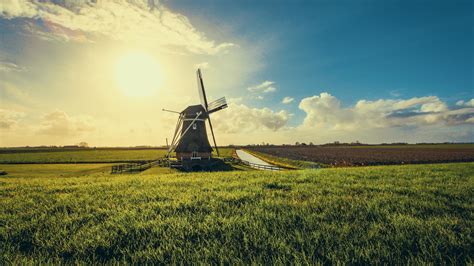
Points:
[[213, 137], [178, 126], [202, 92], [217, 105], [186, 130], [170, 111]]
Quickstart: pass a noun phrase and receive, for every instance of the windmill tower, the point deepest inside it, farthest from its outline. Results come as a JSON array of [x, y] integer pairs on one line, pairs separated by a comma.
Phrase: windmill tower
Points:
[[190, 141]]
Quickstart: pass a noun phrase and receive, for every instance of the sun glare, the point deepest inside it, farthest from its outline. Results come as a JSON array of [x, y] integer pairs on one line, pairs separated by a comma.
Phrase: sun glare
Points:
[[138, 74]]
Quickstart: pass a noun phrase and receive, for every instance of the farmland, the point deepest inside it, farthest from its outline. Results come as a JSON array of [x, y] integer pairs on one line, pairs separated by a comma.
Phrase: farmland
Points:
[[64, 206], [371, 155], [84, 155], [54, 170], [80, 156], [382, 214]]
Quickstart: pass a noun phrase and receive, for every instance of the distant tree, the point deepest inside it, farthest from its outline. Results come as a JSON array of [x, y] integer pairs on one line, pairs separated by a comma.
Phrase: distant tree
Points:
[[297, 143], [303, 144], [311, 144], [83, 144]]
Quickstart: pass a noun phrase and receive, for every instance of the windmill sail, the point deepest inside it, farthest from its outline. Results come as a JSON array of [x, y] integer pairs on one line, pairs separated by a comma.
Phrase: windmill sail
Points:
[[217, 105], [202, 92]]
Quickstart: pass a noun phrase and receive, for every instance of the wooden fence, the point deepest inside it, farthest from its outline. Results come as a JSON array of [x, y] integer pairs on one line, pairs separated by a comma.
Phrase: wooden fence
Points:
[[261, 166], [142, 166], [236, 159], [135, 167]]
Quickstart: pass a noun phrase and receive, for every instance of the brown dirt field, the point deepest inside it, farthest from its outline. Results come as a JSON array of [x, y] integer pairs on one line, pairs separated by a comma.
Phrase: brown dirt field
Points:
[[360, 156]]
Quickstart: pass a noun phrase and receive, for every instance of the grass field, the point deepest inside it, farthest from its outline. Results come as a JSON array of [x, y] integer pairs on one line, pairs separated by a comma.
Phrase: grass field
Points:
[[382, 214], [54, 170], [87, 155]]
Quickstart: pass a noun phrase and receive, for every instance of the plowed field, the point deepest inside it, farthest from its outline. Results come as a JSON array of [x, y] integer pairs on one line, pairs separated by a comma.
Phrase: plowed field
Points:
[[373, 155]]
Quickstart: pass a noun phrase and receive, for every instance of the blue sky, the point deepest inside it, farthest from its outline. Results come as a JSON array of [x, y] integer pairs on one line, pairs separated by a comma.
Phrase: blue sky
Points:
[[366, 49], [373, 71], [355, 49]]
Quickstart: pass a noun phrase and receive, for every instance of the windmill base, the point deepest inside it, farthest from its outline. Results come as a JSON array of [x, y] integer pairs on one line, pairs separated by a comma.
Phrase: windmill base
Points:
[[204, 165]]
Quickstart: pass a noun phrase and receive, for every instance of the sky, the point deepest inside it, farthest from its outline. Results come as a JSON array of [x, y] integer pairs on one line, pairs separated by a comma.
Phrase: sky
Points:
[[292, 71]]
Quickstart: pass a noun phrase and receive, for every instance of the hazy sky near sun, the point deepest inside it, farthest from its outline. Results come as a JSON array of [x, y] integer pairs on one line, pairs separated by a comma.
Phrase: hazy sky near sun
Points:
[[307, 71]]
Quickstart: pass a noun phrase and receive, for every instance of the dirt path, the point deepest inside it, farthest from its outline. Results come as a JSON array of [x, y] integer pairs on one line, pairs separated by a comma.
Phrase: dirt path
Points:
[[245, 156]]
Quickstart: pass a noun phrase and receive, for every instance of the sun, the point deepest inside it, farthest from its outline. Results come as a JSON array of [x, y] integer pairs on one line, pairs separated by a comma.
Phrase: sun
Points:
[[138, 74]]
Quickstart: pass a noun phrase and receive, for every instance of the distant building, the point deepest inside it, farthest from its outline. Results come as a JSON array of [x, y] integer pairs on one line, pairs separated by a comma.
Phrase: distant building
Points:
[[70, 146]]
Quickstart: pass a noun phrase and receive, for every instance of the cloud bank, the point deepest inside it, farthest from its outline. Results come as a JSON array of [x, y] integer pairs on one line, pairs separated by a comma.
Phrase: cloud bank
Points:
[[326, 111], [243, 119], [9, 119], [325, 119], [59, 123], [7, 66], [465, 103], [131, 20]]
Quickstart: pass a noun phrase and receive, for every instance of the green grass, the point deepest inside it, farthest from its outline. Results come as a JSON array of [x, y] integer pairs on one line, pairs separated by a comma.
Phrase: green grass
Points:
[[54, 170], [158, 171], [388, 214], [224, 152], [89, 155]]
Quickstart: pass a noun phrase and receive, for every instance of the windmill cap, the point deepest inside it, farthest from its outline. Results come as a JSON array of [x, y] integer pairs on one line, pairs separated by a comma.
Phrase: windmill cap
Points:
[[192, 110]]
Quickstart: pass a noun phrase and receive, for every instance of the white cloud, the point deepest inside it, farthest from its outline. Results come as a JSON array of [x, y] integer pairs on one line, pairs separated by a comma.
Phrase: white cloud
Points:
[[287, 100], [264, 87], [129, 20], [244, 119], [326, 111], [6, 66], [9, 118], [202, 65], [50, 31], [463, 103], [395, 93], [59, 123], [235, 100], [10, 92], [17, 8], [269, 89]]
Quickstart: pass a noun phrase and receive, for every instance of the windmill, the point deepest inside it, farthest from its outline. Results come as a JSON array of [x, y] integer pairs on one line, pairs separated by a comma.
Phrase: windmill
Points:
[[190, 141]]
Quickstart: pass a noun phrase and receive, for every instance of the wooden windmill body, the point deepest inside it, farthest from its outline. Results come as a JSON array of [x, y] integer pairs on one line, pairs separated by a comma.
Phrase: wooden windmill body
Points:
[[190, 141]]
